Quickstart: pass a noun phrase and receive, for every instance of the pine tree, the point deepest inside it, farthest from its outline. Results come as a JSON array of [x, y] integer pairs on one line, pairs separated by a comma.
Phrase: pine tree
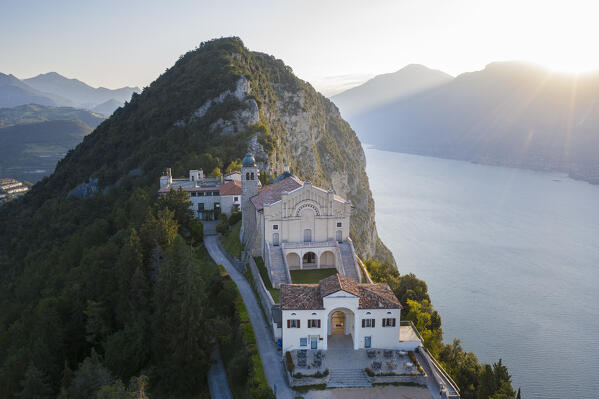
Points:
[[35, 385]]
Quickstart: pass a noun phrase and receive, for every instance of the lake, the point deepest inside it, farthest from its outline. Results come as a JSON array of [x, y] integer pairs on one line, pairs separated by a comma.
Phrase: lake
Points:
[[511, 259]]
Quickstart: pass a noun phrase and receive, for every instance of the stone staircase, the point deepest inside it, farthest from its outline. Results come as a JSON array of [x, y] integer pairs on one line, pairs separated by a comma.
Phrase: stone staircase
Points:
[[277, 264], [349, 261], [343, 378]]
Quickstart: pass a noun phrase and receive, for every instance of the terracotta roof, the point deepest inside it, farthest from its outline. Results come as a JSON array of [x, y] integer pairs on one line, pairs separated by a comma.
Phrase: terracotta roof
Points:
[[273, 192], [309, 296], [337, 282], [232, 187], [300, 296], [374, 296]]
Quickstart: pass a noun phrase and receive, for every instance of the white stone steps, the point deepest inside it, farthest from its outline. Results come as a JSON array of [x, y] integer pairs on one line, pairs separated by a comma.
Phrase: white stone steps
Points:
[[277, 264], [344, 378], [349, 261]]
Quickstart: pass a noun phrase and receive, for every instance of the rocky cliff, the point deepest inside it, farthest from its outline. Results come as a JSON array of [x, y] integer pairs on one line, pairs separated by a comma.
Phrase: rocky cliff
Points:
[[291, 122]]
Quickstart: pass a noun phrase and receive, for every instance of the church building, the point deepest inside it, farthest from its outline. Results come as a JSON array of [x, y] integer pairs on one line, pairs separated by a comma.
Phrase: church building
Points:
[[295, 225]]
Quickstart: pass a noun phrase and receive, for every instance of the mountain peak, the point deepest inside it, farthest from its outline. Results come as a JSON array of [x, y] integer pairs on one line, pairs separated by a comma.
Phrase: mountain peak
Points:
[[389, 87]]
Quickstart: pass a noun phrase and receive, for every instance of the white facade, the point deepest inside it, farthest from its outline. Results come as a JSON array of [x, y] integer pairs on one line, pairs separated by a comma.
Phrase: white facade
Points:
[[380, 337], [205, 193]]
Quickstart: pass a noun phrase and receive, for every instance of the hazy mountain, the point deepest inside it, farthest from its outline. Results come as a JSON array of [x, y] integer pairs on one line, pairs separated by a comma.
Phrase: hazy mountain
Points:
[[34, 137], [510, 113], [33, 113], [108, 107], [31, 151], [80, 93], [14, 92], [383, 89]]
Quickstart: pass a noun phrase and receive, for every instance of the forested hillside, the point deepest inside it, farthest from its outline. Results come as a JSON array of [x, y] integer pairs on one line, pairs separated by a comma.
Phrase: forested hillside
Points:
[[101, 287]]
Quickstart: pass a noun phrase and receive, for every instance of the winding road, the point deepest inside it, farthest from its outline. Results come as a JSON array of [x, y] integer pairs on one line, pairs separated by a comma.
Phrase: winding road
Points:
[[271, 357]]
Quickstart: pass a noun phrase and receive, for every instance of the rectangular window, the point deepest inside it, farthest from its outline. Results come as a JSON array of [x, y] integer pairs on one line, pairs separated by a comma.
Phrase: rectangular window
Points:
[[193, 194], [389, 322], [338, 224], [200, 206], [314, 323], [367, 342], [201, 194], [275, 227], [367, 323], [303, 341], [293, 323], [235, 198]]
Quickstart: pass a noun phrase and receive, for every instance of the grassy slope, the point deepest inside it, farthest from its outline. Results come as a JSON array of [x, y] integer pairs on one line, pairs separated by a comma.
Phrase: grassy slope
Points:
[[230, 241], [258, 377]]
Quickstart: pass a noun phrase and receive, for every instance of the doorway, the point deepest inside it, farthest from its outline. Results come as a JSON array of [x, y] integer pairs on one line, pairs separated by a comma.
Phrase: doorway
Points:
[[338, 323]]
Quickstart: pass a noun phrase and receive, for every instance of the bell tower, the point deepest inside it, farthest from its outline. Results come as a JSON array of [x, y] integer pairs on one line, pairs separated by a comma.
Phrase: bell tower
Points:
[[249, 188]]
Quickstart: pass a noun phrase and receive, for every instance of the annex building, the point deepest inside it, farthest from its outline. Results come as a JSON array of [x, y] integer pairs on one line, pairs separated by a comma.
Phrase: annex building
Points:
[[366, 315], [210, 196]]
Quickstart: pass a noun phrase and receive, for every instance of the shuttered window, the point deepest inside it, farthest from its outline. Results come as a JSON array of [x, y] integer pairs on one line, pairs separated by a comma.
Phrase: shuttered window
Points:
[[368, 323], [293, 323], [314, 323], [389, 322]]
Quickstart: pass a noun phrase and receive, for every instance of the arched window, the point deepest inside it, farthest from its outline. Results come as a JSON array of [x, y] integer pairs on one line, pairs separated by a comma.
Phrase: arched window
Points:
[[252, 175], [247, 176]]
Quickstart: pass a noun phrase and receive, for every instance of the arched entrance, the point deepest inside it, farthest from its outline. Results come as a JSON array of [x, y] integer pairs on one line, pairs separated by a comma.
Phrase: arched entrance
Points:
[[338, 323], [309, 260], [341, 329]]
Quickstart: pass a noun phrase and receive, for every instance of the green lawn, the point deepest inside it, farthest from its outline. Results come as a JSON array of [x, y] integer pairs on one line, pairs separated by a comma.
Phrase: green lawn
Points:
[[310, 276], [231, 242], [275, 292]]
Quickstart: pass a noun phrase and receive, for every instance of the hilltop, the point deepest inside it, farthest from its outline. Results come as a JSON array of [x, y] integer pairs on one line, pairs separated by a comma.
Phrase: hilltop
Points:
[[105, 280]]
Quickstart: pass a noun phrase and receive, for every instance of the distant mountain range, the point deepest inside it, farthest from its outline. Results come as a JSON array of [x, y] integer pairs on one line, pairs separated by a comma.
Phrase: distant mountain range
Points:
[[510, 113], [56, 90], [387, 88], [34, 137]]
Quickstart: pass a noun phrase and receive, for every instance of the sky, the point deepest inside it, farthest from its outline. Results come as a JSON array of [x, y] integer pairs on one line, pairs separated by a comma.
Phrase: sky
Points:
[[332, 44]]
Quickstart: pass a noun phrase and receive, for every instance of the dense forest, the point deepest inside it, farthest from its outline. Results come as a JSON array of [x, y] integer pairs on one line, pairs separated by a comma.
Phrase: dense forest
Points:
[[110, 291]]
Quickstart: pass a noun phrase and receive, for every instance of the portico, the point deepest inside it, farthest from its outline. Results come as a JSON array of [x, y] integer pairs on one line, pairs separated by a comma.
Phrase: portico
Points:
[[313, 255]]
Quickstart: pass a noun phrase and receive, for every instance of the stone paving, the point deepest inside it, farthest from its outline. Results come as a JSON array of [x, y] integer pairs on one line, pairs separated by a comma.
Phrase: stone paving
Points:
[[377, 392]]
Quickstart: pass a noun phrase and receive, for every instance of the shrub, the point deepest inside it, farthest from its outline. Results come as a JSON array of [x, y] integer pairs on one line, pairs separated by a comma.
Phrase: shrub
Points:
[[197, 231], [298, 375], [234, 218], [369, 372], [289, 360], [222, 228]]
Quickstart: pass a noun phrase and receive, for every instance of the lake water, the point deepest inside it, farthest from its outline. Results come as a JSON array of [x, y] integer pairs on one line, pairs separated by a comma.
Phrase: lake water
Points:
[[511, 258]]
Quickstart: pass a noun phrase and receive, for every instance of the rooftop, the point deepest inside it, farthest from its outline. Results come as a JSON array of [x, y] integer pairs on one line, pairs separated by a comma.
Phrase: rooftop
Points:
[[231, 187], [309, 296]]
